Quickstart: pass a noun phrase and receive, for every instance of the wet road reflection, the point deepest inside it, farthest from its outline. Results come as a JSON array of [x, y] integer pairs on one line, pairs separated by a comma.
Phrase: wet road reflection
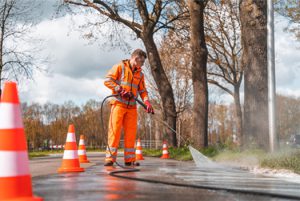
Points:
[[96, 184], [230, 178]]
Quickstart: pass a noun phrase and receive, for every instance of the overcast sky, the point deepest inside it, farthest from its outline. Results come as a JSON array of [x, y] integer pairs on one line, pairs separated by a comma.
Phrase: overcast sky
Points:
[[78, 68]]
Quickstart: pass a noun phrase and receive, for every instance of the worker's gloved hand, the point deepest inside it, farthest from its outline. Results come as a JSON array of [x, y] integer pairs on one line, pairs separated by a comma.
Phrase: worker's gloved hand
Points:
[[149, 107], [126, 94], [123, 93]]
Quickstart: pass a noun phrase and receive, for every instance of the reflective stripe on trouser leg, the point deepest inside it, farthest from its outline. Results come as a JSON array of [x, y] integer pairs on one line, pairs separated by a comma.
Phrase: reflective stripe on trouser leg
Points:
[[111, 154], [130, 126], [114, 131]]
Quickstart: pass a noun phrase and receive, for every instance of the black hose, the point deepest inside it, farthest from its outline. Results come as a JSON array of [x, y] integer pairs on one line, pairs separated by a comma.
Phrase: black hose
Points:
[[105, 132], [117, 173]]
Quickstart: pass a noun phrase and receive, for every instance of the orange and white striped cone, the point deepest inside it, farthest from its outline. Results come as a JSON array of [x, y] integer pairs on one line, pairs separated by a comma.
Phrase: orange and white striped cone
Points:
[[165, 151], [138, 151], [82, 151], [70, 161], [15, 179]]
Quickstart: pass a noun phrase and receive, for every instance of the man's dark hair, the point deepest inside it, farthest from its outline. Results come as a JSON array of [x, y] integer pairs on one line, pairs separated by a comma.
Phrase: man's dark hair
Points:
[[140, 53]]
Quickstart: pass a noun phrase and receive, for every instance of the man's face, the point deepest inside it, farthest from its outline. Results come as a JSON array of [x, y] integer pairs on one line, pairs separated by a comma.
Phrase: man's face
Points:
[[139, 61]]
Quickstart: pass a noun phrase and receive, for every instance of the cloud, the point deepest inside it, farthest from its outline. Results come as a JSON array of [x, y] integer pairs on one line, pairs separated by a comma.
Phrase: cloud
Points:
[[60, 88], [287, 59], [73, 56], [77, 68]]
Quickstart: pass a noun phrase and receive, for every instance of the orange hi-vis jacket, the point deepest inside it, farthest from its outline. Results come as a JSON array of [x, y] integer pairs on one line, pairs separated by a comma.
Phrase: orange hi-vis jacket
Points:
[[134, 81]]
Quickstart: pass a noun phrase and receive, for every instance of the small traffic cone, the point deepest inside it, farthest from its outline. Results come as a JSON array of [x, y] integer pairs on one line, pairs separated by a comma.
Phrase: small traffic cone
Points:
[[70, 161], [138, 151], [82, 151], [165, 151], [15, 179]]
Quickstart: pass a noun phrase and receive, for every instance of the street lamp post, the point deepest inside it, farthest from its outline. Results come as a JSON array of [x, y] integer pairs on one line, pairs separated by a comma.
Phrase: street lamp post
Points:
[[271, 77]]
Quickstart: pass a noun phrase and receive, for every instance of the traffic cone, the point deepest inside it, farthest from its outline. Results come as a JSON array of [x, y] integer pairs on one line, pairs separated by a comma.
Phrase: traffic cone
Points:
[[82, 151], [165, 151], [70, 161], [15, 179], [138, 151]]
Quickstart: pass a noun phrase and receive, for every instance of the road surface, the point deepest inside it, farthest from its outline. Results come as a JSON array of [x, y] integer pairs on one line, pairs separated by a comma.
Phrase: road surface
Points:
[[96, 184]]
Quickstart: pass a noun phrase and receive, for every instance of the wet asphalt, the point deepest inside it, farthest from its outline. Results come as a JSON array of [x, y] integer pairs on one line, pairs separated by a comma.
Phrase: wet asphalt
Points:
[[96, 184]]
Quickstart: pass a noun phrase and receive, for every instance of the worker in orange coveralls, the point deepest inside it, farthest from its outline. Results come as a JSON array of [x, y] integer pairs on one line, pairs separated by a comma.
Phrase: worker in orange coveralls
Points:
[[127, 81]]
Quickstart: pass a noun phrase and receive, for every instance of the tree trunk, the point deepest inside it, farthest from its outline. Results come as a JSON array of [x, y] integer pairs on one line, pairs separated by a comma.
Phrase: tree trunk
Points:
[[239, 114], [164, 87], [199, 76], [254, 41]]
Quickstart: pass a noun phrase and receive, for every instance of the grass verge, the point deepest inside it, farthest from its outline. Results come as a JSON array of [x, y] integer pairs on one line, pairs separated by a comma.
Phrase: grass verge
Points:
[[181, 154], [288, 159], [33, 154]]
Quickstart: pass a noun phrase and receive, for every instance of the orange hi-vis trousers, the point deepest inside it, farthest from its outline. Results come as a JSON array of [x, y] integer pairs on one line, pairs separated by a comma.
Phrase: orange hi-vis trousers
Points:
[[121, 117]]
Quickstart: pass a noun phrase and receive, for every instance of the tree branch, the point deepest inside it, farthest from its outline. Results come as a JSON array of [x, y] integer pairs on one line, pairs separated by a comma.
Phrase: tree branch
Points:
[[220, 86]]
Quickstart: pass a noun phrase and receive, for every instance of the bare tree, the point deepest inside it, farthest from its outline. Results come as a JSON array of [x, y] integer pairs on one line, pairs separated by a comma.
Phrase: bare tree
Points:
[[288, 114], [222, 29], [145, 18], [175, 54], [254, 42], [199, 73], [291, 10], [15, 61]]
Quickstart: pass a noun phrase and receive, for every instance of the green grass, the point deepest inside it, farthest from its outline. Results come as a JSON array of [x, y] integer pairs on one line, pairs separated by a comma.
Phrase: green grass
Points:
[[96, 150], [152, 152], [182, 154], [33, 154], [210, 151], [287, 159], [235, 155]]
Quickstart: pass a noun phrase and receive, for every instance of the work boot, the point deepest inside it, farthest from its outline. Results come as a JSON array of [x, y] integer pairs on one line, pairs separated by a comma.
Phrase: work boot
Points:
[[132, 164], [109, 163]]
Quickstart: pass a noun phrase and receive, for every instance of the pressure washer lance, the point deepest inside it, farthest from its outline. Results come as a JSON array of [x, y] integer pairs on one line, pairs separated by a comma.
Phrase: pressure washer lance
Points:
[[141, 103], [157, 119]]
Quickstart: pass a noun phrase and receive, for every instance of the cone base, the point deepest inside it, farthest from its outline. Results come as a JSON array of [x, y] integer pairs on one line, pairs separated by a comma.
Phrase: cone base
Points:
[[27, 199], [84, 161], [75, 169], [165, 157], [139, 158]]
